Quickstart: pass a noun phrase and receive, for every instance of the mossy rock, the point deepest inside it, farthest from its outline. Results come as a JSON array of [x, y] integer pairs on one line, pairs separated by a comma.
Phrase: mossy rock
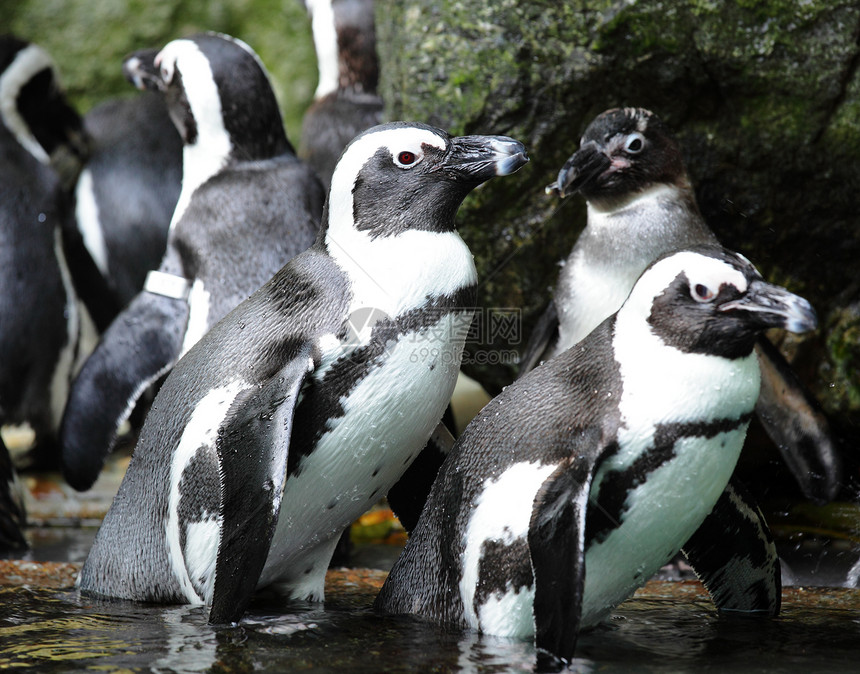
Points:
[[764, 97]]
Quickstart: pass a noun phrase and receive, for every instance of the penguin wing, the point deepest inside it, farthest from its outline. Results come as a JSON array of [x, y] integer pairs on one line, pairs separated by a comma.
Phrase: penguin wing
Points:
[[795, 422], [542, 339], [141, 344], [734, 555], [556, 540], [252, 457], [90, 285]]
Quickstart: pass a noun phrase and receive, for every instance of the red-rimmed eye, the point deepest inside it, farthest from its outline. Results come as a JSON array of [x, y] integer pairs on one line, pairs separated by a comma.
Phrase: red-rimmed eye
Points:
[[406, 158], [702, 293]]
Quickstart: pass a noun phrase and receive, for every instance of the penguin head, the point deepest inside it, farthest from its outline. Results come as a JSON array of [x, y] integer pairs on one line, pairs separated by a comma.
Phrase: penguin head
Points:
[[34, 108], [712, 301], [218, 94], [622, 152], [407, 176]]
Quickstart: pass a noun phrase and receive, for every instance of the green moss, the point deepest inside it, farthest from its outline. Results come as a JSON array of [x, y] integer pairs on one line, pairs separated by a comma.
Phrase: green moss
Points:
[[843, 344]]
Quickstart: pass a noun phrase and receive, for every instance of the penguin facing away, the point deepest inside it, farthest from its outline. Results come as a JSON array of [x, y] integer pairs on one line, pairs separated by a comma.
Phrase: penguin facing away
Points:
[[41, 319], [641, 204], [246, 207], [127, 192], [346, 101], [301, 407], [577, 482]]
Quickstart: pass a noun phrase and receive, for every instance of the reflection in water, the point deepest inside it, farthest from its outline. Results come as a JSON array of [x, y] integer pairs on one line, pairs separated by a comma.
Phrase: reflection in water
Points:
[[666, 631], [190, 643]]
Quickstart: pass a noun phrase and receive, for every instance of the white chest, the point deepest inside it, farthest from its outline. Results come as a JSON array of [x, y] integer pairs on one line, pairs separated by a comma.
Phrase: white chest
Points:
[[661, 514], [387, 418]]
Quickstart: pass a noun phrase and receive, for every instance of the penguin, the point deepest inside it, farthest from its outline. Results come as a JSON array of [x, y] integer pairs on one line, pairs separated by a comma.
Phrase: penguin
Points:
[[35, 110], [346, 101], [42, 320], [641, 204], [246, 207], [578, 481], [299, 409], [128, 189]]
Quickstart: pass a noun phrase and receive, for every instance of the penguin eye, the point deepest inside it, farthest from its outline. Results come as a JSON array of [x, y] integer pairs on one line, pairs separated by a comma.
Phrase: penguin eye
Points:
[[635, 143], [702, 293], [406, 158]]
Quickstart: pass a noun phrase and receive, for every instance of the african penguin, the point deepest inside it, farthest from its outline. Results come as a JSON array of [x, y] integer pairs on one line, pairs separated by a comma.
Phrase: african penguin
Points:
[[641, 204], [345, 102], [127, 192], [41, 319], [300, 408], [34, 109], [577, 482], [247, 206]]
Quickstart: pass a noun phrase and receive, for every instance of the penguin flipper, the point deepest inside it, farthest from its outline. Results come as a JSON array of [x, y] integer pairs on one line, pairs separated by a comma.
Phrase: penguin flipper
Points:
[[252, 457], [92, 288], [409, 494], [141, 344], [793, 419], [734, 555], [542, 339], [556, 540]]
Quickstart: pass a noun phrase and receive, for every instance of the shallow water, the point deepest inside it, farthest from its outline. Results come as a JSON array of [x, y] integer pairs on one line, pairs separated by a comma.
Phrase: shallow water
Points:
[[667, 627], [670, 627]]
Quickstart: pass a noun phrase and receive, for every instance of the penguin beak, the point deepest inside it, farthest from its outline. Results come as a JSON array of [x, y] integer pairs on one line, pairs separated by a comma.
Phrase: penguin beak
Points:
[[479, 158], [139, 68], [584, 165], [771, 306]]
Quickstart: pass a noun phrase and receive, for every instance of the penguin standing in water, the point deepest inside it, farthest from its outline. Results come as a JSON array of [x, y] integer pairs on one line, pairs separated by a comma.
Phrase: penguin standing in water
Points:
[[127, 192], [247, 206], [41, 319], [641, 204], [576, 483], [300, 409], [345, 102]]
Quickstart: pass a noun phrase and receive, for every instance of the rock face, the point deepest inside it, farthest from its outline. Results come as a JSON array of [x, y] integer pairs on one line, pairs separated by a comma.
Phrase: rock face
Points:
[[764, 98]]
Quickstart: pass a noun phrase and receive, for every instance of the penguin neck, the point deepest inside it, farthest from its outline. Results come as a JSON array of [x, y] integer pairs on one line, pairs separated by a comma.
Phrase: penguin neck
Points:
[[647, 225], [614, 249], [200, 161], [400, 272], [346, 52], [656, 192]]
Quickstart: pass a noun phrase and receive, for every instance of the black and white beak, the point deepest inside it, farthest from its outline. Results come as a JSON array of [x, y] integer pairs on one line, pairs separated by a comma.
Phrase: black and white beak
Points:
[[583, 166], [476, 159], [770, 306]]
